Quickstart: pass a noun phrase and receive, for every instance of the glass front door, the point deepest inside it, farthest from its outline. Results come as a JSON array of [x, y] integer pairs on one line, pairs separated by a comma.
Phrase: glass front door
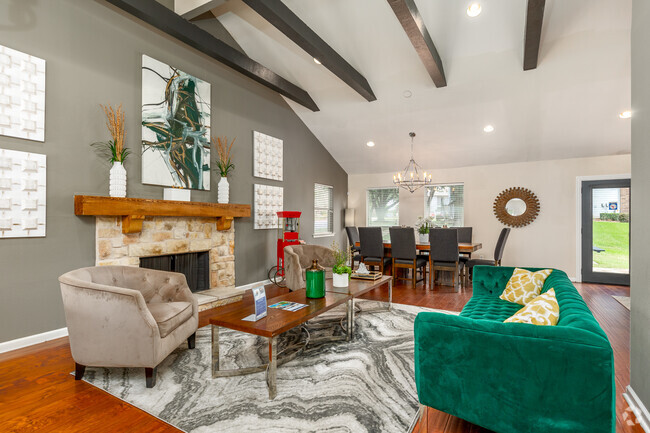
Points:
[[606, 231]]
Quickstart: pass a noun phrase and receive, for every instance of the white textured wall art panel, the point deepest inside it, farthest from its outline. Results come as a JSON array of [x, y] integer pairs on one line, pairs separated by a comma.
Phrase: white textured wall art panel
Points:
[[22, 194], [269, 200], [22, 95], [267, 156]]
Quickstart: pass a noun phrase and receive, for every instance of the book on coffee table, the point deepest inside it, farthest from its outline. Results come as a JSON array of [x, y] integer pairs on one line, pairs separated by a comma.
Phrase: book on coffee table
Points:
[[372, 276]]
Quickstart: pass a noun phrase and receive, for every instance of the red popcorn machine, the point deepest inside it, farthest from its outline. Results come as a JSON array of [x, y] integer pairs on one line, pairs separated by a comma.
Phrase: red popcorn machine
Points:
[[288, 234]]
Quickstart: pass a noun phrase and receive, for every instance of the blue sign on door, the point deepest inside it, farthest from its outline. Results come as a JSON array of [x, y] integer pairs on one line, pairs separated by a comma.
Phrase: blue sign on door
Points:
[[613, 205]]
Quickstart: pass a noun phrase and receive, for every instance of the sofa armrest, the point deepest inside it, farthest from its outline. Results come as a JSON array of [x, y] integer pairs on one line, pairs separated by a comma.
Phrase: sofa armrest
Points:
[[511, 377], [108, 326], [293, 270]]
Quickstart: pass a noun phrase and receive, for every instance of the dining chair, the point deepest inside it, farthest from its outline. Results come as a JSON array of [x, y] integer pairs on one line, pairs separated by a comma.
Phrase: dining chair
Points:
[[404, 254], [372, 247], [353, 238], [498, 253], [443, 254], [465, 237]]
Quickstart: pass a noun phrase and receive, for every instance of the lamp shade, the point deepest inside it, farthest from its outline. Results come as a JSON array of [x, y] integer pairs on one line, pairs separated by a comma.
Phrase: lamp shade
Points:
[[349, 217]]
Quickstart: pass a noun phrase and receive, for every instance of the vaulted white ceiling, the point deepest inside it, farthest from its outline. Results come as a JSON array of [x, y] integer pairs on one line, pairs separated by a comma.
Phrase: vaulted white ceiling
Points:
[[567, 107]]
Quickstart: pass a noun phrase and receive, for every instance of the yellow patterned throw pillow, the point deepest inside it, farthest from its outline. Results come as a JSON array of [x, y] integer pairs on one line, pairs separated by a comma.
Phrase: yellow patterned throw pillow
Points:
[[524, 286], [543, 310]]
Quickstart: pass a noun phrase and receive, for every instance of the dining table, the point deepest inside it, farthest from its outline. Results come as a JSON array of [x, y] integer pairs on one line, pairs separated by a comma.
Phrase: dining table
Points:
[[463, 247]]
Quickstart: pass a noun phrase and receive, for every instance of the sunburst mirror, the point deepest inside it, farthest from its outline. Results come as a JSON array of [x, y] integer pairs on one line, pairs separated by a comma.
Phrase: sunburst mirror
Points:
[[516, 207]]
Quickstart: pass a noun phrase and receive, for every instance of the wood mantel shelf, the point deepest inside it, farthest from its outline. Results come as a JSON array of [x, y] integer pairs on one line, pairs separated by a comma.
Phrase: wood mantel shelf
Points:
[[134, 210]]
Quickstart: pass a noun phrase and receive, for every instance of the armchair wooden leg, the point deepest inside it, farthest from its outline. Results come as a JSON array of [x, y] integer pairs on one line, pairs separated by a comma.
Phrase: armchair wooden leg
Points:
[[79, 371], [150, 374], [191, 341]]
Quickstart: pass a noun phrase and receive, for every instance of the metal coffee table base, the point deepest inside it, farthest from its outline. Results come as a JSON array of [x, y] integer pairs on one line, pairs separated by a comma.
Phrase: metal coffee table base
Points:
[[294, 348]]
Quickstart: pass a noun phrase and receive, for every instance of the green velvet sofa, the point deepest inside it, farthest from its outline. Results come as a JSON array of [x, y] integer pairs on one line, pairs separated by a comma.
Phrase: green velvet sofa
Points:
[[515, 377]]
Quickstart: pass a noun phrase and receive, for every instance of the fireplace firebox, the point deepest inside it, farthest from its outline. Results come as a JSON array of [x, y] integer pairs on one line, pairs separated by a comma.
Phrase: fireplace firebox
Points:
[[195, 267]]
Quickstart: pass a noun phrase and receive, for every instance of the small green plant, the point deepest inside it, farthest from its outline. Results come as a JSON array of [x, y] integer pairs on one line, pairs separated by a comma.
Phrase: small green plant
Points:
[[424, 224], [340, 260]]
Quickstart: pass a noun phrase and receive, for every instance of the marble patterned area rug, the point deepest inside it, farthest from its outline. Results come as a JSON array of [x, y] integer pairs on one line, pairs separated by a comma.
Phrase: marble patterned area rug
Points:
[[623, 300], [366, 385]]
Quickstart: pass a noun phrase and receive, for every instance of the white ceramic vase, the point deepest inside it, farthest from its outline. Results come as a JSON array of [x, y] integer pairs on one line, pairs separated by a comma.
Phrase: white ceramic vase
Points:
[[117, 180], [340, 280], [424, 238], [223, 191]]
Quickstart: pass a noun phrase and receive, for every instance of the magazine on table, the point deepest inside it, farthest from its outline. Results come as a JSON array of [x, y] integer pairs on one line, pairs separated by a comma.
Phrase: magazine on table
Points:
[[288, 306]]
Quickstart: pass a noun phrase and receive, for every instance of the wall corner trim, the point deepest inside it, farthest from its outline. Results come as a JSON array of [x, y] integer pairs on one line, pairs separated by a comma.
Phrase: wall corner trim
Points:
[[638, 408], [30, 340]]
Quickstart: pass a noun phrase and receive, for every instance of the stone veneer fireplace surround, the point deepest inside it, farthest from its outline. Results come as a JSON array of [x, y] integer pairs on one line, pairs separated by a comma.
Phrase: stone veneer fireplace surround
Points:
[[168, 235]]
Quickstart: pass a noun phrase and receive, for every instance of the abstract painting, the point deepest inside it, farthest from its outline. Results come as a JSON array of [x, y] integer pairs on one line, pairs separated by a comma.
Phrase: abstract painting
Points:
[[22, 194], [22, 95], [175, 127]]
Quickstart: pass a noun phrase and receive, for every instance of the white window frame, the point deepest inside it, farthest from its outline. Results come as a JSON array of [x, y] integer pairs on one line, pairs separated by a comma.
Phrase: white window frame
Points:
[[330, 213], [424, 204], [367, 210]]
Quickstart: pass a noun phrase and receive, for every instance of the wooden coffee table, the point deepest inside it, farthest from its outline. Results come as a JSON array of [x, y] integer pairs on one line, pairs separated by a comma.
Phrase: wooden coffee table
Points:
[[279, 321]]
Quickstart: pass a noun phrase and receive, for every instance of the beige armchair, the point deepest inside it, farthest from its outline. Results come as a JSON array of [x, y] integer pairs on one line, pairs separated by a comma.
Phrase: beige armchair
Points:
[[297, 258], [124, 316]]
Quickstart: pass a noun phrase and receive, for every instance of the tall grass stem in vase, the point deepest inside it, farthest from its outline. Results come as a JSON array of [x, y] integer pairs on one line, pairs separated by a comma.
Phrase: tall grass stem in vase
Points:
[[224, 165], [115, 150]]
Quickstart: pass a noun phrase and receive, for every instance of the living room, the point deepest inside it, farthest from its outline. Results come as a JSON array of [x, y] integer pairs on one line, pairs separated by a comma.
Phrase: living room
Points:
[[527, 124]]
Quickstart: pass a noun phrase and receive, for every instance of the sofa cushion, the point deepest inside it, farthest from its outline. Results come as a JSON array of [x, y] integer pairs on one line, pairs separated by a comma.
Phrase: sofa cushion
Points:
[[543, 310], [489, 308], [524, 285], [170, 315]]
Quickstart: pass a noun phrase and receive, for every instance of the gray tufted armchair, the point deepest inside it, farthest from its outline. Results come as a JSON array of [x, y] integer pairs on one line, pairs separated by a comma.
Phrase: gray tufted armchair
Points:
[[124, 316]]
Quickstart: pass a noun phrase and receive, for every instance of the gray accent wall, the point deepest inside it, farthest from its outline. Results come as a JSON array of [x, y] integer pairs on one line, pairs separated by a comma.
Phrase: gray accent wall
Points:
[[640, 201], [93, 53]]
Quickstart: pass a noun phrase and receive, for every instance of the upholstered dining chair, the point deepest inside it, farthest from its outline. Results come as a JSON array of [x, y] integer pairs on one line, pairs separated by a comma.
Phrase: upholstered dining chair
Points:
[[498, 253], [465, 237], [125, 316], [404, 254], [372, 247], [353, 238], [443, 255]]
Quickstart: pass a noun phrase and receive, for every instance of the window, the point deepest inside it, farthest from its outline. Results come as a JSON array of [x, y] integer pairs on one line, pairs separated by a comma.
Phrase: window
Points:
[[382, 208], [444, 203], [323, 210]]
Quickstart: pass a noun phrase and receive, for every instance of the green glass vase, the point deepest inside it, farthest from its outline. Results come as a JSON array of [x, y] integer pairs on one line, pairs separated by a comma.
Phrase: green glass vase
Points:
[[315, 284]]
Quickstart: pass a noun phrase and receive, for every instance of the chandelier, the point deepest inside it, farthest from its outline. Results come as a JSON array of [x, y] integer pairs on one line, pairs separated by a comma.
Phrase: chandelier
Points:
[[412, 178]]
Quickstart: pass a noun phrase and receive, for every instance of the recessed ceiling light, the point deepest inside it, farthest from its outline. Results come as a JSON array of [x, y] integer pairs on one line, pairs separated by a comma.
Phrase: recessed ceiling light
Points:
[[625, 114], [488, 128], [474, 10], [317, 61], [407, 93], [370, 144]]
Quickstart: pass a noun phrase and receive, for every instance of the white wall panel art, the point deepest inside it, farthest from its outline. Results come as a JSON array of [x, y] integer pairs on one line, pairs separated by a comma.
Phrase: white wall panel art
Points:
[[22, 194], [22, 95], [268, 201], [267, 156]]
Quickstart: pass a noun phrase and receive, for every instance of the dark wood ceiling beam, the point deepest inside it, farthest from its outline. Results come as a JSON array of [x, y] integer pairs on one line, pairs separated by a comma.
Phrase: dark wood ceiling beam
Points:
[[409, 17], [157, 15], [534, 20], [283, 19]]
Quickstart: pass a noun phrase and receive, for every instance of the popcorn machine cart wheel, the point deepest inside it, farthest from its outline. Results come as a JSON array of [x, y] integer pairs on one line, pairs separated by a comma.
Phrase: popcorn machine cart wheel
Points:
[[288, 234]]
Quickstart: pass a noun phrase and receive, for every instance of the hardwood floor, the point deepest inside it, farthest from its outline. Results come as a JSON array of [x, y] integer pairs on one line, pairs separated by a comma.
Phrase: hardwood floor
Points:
[[37, 392]]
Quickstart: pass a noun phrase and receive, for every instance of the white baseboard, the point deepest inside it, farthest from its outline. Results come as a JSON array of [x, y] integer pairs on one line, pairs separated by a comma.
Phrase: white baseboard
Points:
[[30, 340], [251, 285], [638, 408]]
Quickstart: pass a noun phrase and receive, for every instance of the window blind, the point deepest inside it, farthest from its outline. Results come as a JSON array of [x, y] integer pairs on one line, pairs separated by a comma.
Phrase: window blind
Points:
[[445, 203], [323, 210], [382, 208]]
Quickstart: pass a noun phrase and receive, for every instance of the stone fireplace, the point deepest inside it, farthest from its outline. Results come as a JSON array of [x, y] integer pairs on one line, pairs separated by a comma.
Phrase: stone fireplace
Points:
[[168, 235]]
